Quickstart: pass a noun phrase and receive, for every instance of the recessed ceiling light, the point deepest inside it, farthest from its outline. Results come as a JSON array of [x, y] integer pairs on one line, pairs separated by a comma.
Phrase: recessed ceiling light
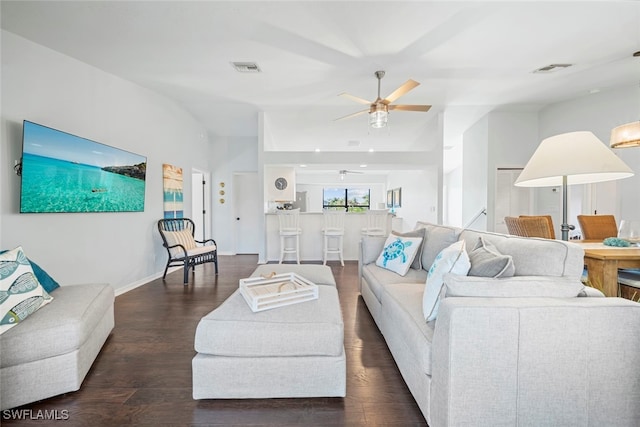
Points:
[[371, 150], [303, 166], [363, 166], [317, 150]]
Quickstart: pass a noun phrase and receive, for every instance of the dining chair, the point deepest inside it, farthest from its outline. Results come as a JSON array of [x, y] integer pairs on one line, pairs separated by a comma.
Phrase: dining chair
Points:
[[549, 220], [529, 226], [598, 227]]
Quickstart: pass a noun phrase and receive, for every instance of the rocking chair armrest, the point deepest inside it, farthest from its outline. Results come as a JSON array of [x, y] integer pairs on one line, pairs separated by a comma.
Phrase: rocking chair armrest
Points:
[[176, 246], [204, 242]]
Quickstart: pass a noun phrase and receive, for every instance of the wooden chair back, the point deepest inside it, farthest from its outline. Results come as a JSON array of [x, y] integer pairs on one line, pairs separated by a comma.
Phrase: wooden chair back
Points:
[[549, 220], [598, 227], [535, 226]]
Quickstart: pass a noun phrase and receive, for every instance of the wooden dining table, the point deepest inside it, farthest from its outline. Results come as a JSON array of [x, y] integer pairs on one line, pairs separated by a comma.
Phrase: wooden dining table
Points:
[[603, 262]]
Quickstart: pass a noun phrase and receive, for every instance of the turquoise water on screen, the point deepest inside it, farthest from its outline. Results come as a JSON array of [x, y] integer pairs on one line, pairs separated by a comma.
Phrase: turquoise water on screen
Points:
[[52, 185]]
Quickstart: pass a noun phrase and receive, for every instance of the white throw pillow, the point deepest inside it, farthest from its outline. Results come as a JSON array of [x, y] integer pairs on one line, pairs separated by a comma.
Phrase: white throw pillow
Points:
[[181, 237], [20, 292], [398, 253], [453, 259]]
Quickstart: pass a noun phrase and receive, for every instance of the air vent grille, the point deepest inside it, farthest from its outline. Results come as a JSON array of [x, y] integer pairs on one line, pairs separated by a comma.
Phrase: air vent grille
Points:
[[552, 67], [246, 67]]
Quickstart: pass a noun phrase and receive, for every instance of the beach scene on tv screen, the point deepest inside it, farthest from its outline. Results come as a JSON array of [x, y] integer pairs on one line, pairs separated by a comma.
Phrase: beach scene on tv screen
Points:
[[66, 173]]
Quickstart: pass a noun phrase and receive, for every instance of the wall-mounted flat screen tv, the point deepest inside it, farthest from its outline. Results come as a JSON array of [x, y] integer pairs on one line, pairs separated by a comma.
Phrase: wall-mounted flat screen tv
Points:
[[65, 173]]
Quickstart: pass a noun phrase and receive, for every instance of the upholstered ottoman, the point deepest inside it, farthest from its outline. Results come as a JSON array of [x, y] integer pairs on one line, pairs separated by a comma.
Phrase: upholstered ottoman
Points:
[[291, 351]]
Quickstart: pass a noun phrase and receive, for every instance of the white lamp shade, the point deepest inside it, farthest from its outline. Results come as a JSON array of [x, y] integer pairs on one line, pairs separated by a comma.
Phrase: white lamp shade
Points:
[[580, 156]]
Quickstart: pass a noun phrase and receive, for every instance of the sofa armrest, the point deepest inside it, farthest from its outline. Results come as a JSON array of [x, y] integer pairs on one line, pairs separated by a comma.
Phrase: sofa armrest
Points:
[[370, 248], [536, 361]]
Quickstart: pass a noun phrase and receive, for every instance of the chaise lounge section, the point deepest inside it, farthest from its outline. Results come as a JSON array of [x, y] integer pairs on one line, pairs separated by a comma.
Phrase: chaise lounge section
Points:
[[51, 351], [533, 349]]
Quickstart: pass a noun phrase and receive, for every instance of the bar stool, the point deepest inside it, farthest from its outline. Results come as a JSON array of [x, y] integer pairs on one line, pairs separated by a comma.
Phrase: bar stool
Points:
[[289, 233], [376, 223], [333, 230]]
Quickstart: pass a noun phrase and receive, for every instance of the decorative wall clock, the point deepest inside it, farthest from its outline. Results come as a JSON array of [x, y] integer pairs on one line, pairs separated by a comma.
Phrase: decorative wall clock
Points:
[[281, 183]]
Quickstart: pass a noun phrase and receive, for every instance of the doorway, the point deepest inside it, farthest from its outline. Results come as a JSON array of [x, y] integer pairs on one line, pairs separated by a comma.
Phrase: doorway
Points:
[[201, 204], [248, 212]]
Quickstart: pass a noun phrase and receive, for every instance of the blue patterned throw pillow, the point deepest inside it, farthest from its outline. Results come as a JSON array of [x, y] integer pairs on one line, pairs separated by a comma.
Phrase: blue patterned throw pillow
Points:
[[20, 292], [398, 253]]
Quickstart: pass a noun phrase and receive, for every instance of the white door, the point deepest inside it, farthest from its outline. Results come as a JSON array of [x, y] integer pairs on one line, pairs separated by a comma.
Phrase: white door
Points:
[[248, 212]]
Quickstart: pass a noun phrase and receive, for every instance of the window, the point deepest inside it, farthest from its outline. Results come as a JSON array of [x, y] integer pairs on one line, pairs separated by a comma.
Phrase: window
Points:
[[349, 199]]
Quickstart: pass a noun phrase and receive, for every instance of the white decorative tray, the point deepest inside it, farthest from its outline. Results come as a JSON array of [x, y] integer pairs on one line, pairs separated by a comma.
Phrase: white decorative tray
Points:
[[264, 293]]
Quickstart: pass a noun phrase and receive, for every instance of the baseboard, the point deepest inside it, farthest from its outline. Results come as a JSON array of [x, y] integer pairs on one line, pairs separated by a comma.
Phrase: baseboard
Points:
[[143, 281]]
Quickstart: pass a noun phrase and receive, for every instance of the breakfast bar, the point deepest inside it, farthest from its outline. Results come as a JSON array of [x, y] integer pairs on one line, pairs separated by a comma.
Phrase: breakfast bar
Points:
[[311, 224]]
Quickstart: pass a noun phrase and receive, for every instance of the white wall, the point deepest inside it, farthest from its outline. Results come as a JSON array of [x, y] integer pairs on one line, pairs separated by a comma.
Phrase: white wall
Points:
[[512, 138], [599, 113], [46, 87], [474, 172], [419, 195]]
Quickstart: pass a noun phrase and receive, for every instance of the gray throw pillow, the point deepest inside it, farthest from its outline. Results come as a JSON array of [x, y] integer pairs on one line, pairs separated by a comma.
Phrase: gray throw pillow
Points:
[[487, 261], [417, 261]]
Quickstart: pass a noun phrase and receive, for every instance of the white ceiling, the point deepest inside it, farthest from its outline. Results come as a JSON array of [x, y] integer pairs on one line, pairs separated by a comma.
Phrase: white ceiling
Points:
[[465, 54]]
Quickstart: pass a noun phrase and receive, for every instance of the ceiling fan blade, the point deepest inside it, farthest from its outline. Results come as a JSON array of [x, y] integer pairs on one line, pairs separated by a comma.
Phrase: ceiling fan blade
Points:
[[355, 98], [351, 115], [423, 108], [406, 87]]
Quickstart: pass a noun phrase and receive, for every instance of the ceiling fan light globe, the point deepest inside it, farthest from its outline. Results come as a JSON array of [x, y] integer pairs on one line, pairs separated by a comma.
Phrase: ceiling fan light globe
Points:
[[378, 119]]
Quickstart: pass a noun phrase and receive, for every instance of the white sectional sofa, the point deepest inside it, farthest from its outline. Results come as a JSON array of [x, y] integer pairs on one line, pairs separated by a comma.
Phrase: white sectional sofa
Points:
[[503, 359]]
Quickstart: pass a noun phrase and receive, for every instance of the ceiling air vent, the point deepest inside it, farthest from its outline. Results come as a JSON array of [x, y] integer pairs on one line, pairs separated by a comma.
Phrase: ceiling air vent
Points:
[[551, 68], [246, 67]]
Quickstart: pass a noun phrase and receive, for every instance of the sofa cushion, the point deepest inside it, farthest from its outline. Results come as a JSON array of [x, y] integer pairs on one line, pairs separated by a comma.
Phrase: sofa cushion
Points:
[[21, 294], [436, 238], [512, 287], [59, 328], [453, 259], [487, 261], [378, 277], [402, 308], [398, 253], [371, 246], [533, 256]]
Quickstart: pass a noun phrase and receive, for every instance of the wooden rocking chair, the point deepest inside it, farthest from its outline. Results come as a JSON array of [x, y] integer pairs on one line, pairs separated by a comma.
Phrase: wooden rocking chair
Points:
[[177, 237]]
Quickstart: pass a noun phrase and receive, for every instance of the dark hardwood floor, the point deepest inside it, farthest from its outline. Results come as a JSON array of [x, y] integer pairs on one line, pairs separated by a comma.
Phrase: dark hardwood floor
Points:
[[143, 374]]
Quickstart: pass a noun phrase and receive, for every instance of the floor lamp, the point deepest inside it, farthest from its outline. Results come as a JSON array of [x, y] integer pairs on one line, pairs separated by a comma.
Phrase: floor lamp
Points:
[[571, 158]]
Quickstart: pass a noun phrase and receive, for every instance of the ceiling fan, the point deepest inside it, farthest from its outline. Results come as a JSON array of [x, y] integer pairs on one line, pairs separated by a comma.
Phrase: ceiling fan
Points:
[[379, 109], [344, 173]]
